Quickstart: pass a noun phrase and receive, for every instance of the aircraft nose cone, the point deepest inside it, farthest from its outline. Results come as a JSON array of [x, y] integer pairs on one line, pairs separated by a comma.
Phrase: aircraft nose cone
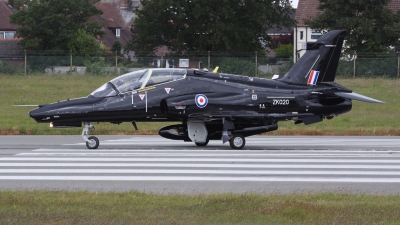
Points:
[[38, 114], [34, 113]]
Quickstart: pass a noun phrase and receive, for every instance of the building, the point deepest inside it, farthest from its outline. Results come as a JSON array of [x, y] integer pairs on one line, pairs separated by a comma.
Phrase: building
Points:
[[307, 9], [117, 19], [10, 51], [7, 30]]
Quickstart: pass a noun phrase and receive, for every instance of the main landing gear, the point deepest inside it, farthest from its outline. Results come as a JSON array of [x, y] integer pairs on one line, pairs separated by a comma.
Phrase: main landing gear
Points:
[[92, 142], [199, 134], [200, 144], [237, 141]]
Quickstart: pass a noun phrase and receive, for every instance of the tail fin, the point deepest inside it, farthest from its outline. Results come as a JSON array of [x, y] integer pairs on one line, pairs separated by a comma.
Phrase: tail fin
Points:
[[320, 62]]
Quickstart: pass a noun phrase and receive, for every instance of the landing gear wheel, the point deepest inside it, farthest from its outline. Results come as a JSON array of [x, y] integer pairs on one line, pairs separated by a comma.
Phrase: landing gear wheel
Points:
[[202, 144], [237, 141], [94, 142]]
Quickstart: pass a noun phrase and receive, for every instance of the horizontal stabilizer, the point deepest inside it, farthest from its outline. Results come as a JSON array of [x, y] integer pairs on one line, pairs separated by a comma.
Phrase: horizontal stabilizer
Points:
[[355, 96]]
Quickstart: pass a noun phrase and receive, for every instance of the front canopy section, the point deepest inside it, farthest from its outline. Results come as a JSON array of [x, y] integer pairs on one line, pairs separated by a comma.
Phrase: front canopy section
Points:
[[138, 80]]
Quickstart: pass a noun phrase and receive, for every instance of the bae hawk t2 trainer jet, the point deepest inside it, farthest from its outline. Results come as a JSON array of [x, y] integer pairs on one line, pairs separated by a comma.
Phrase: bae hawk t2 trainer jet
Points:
[[214, 106]]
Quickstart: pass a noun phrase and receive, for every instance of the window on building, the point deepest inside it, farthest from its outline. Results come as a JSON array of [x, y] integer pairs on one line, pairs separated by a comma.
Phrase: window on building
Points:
[[301, 35], [10, 34], [7, 34], [315, 34], [118, 32]]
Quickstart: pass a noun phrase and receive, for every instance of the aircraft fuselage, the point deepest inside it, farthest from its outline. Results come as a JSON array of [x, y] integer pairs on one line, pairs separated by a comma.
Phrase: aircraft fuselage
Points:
[[175, 101]]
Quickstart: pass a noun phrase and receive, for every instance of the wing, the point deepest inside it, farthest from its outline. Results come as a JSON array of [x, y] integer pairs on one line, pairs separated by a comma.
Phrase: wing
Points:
[[251, 115]]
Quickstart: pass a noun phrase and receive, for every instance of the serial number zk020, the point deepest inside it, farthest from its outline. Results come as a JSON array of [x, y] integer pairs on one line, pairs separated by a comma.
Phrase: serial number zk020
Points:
[[280, 101]]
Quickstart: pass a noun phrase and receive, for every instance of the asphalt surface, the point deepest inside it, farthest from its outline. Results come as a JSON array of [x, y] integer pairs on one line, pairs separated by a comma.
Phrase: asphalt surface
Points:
[[267, 164]]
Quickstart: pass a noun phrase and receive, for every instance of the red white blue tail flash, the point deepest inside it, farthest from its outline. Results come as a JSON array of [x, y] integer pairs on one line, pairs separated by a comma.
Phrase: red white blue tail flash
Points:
[[201, 100], [312, 79]]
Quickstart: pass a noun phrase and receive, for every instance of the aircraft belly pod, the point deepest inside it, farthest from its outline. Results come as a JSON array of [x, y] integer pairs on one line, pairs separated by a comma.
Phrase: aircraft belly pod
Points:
[[214, 106]]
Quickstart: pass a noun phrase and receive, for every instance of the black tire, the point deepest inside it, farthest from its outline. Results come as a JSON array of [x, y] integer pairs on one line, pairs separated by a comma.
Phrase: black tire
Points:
[[94, 144], [202, 144], [237, 141]]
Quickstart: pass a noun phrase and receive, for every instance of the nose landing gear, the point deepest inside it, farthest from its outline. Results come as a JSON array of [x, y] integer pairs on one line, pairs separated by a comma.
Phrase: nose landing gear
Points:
[[92, 142]]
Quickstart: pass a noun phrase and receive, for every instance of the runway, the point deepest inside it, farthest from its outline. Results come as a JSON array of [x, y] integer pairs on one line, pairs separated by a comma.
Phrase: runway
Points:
[[268, 164]]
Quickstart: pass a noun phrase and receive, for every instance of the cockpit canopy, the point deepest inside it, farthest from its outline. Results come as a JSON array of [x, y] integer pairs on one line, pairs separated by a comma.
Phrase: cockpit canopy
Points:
[[138, 80]]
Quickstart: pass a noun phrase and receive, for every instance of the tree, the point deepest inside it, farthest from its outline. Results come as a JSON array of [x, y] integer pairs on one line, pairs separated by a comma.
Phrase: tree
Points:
[[371, 26], [20, 3], [116, 48], [199, 25], [54, 24], [84, 44], [237, 66], [284, 51]]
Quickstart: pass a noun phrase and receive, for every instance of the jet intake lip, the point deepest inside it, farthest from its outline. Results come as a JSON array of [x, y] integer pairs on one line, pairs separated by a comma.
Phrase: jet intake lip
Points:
[[355, 96]]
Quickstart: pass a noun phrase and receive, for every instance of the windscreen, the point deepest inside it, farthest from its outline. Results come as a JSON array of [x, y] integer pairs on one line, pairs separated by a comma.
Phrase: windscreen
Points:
[[144, 78], [138, 80], [121, 84], [105, 90]]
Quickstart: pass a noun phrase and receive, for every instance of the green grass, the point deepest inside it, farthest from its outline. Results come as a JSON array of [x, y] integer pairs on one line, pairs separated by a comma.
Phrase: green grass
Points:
[[61, 207], [364, 119]]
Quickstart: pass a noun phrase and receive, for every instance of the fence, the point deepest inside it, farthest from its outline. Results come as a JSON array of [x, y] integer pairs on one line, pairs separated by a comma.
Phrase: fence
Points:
[[370, 65], [249, 64]]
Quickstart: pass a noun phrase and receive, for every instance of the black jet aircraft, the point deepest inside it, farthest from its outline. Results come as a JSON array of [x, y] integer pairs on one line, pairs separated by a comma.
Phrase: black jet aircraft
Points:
[[214, 106]]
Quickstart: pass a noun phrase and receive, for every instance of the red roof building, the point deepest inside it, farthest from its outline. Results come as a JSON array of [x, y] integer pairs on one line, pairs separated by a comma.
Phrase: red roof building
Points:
[[117, 19], [10, 51], [7, 30]]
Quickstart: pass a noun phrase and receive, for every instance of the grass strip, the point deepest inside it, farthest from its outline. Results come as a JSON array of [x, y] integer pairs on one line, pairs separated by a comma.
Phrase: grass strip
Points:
[[364, 119], [61, 207]]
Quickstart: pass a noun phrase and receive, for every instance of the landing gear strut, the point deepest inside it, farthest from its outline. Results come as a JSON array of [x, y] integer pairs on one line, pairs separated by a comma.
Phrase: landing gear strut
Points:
[[92, 142]]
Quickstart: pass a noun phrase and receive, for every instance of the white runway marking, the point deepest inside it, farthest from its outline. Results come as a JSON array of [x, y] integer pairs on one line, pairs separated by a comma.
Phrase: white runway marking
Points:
[[202, 165], [189, 154], [174, 171], [246, 152], [167, 159]]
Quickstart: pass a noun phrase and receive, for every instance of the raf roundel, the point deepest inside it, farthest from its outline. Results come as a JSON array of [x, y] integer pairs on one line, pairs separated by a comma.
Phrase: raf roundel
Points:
[[201, 100]]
